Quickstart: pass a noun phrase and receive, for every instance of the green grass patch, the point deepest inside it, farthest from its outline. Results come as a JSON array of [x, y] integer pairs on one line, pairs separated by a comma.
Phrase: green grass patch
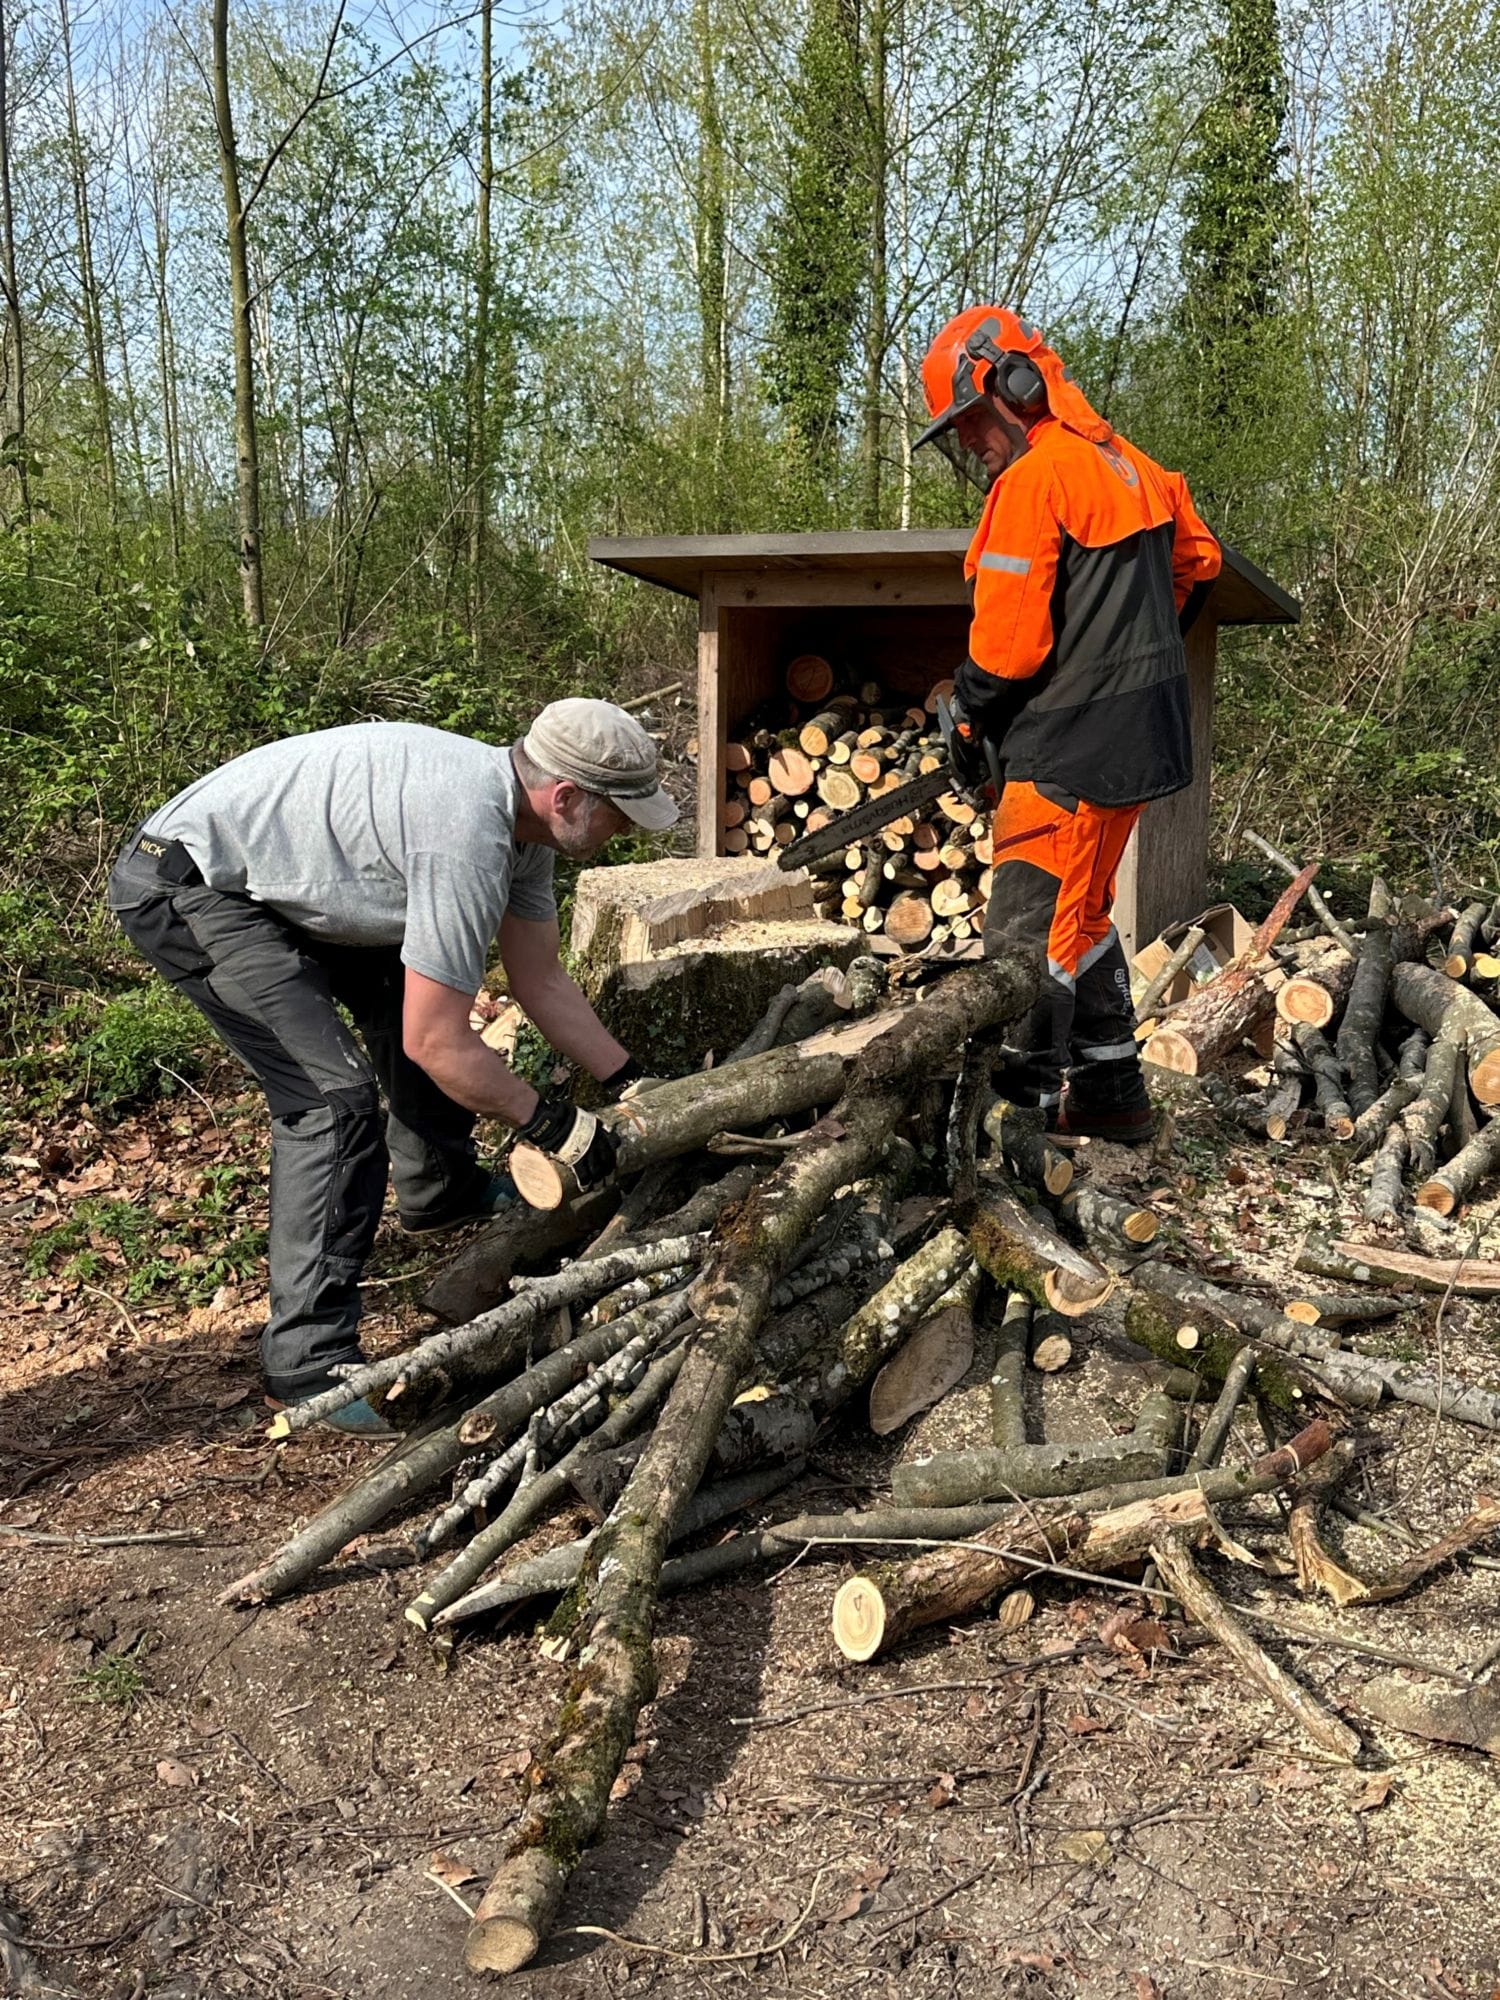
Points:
[[114, 1680]]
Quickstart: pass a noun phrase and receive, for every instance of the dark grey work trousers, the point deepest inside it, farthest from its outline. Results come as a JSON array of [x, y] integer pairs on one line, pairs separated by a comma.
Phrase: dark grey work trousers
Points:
[[272, 993]]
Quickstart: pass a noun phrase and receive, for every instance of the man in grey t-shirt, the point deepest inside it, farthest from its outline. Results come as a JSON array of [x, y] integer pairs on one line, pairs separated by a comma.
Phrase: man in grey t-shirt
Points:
[[372, 866]]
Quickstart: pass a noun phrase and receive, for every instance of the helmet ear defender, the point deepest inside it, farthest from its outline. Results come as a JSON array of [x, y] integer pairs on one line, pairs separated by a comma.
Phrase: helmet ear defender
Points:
[[1016, 380]]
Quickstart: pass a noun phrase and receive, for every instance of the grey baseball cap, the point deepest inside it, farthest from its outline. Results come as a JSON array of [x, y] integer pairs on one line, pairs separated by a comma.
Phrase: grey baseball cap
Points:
[[601, 748]]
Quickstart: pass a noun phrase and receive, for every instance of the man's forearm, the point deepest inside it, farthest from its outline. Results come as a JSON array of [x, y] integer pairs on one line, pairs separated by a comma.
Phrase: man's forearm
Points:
[[560, 1011], [475, 1077]]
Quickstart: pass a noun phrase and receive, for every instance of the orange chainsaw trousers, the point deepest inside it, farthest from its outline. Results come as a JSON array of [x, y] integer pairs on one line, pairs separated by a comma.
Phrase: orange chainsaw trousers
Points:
[[1055, 862]]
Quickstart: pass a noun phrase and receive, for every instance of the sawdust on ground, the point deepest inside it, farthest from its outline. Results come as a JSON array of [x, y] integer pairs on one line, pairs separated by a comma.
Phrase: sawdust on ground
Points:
[[267, 1816]]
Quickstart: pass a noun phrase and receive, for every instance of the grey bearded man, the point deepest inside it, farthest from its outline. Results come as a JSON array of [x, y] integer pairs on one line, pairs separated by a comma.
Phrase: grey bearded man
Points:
[[370, 867]]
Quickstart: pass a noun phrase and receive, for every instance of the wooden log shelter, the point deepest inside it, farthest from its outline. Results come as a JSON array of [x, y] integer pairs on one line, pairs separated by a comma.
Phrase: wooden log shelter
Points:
[[891, 606]]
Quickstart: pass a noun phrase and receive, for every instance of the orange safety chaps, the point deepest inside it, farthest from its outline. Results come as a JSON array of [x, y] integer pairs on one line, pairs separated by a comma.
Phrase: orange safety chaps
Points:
[[1055, 861]]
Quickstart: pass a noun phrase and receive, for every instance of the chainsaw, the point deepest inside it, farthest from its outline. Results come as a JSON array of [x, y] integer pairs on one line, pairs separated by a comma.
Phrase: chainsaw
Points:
[[875, 813]]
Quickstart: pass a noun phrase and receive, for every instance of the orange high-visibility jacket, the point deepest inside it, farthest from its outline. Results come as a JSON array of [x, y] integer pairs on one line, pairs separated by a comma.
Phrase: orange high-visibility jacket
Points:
[[1084, 557]]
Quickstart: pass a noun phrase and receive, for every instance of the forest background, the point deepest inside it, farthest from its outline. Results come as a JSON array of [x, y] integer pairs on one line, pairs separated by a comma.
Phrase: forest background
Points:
[[330, 335]]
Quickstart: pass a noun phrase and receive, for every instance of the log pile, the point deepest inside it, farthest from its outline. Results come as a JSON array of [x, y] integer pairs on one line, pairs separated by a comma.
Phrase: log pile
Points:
[[1388, 1042], [686, 1340], [919, 885]]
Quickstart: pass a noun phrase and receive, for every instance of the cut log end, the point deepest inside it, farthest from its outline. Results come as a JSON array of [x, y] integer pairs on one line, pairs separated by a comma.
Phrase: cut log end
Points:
[[516, 1913], [1057, 1174], [1140, 1226], [1169, 1050], [1431, 1195], [1052, 1353], [1484, 1077], [1306, 1001], [858, 1618], [539, 1179], [1304, 1311], [1073, 1295], [279, 1427]]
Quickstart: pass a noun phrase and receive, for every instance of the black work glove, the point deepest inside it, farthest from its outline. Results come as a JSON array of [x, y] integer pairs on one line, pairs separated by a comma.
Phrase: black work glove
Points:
[[619, 1080], [576, 1138], [966, 753], [985, 705]]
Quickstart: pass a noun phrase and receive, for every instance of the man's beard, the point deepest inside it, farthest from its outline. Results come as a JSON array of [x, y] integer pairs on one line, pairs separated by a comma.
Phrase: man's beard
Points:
[[574, 838]]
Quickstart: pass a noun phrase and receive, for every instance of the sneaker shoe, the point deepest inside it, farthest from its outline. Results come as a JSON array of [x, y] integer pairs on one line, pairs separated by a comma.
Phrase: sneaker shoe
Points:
[[494, 1196], [1122, 1127]]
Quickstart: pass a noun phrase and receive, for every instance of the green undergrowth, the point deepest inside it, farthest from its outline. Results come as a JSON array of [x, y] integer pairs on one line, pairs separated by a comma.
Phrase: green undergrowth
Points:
[[187, 1246]]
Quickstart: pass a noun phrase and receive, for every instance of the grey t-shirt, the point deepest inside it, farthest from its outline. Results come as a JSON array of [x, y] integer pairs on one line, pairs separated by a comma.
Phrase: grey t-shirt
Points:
[[380, 833]]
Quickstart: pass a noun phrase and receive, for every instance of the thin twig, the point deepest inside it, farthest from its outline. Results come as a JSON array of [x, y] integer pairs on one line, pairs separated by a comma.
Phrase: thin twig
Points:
[[1442, 1352], [96, 1291], [702, 1957], [45, 1538], [449, 1890], [915, 1910], [920, 1687], [192, 1089], [1336, 1642]]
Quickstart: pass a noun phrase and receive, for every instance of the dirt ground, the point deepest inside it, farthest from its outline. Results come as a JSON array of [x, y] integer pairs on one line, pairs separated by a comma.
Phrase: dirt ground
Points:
[[205, 1802]]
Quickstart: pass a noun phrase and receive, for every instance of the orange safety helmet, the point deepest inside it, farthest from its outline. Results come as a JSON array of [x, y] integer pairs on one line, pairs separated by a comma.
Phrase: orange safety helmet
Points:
[[988, 354]]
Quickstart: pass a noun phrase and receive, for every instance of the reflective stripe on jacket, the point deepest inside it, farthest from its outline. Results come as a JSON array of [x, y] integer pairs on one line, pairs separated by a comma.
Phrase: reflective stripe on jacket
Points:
[[1084, 556]]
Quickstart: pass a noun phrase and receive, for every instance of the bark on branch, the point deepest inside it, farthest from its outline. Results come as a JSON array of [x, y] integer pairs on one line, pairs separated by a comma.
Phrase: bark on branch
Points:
[[616, 1596]]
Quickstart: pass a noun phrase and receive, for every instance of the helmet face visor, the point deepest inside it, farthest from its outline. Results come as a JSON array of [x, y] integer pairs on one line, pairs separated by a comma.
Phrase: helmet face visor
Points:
[[965, 387]]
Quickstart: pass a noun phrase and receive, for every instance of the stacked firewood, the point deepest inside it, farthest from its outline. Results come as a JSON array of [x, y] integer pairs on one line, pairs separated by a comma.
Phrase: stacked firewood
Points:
[[922, 882], [685, 1339]]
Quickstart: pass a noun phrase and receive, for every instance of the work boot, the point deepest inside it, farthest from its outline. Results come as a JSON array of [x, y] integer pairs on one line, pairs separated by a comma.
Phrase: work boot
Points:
[[359, 1419], [1125, 1125], [491, 1196]]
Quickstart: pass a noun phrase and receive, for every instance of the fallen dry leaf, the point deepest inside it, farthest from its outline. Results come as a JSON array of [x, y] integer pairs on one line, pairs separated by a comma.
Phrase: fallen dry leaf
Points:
[[171, 1771], [1137, 1635], [874, 1875], [854, 1905], [446, 1869], [1091, 1848], [1374, 1791], [1086, 1725], [1296, 1778], [941, 1794]]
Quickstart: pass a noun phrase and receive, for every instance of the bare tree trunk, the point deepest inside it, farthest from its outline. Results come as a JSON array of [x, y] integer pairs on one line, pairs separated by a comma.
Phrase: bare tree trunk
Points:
[[876, 324], [247, 451], [15, 337], [479, 436], [88, 285], [712, 230]]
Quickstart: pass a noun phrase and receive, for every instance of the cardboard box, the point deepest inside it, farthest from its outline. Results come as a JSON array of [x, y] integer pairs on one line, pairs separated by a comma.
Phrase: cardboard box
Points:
[[1225, 936]]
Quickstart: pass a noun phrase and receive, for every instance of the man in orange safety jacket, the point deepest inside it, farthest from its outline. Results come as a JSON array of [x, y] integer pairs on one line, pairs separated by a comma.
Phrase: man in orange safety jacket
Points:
[[1087, 567]]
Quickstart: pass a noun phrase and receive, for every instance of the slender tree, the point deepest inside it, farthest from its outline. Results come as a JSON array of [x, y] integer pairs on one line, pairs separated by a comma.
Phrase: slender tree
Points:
[[1236, 215], [479, 381], [820, 239], [246, 445], [711, 246], [16, 444], [877, 166], [91, 310]]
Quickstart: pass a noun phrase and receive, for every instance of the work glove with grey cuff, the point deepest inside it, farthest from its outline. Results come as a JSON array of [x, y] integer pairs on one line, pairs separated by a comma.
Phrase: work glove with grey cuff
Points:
[[575, 1137]]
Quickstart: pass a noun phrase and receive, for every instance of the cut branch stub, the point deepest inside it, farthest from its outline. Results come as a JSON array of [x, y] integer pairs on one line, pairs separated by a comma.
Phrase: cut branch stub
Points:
[[1020, 1249]]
